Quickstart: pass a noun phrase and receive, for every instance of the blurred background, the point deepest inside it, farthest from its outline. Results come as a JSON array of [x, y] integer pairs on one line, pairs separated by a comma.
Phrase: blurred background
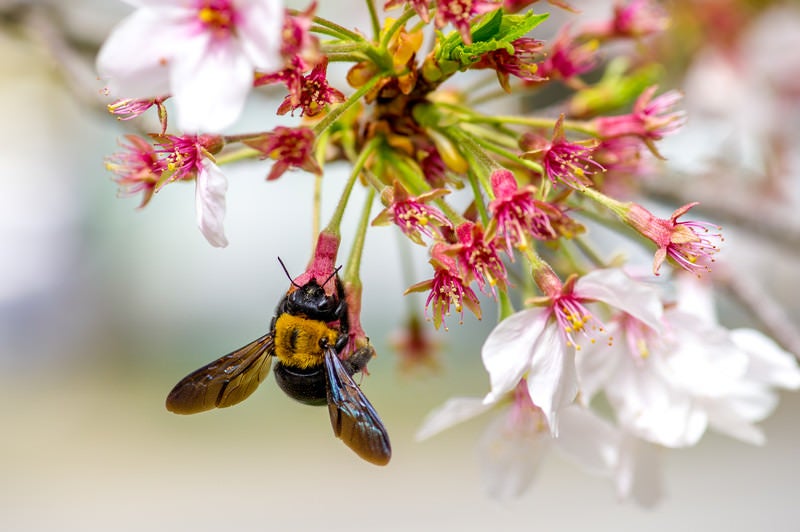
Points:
[[104, 307]]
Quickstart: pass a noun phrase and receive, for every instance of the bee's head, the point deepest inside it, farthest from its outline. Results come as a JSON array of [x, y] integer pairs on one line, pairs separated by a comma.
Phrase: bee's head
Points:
[[312, 301]]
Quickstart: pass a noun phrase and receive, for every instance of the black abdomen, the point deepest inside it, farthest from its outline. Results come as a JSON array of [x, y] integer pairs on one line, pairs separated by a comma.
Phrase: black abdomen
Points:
[[304, 385]]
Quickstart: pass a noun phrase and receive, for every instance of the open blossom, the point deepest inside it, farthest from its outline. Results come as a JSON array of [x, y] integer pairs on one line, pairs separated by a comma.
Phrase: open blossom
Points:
[[447, 288], [539, 343], [692, 245], [290, 148], [412, 214], [191, 157], [563, 160], [518, 438], [668, 388], [203, 52], [517, 214]]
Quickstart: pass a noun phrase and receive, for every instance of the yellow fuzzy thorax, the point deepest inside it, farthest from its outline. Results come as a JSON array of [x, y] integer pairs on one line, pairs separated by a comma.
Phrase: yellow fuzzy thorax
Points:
[[297, 341]]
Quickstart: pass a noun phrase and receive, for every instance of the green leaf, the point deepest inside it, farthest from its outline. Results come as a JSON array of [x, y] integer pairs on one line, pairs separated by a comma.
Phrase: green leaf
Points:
[[495, 32]]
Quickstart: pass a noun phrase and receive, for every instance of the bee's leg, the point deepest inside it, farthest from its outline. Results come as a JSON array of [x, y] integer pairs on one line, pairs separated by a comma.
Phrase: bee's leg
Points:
[[358, 360], [341, 314], [341, 342]]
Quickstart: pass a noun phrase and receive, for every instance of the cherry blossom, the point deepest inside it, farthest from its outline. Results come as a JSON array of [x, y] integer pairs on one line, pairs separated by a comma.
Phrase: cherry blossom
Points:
[[202, 52]]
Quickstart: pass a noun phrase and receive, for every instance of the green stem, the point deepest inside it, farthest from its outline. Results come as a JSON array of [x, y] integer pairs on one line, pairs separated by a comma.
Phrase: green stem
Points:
[[373, 17], [351, 271], [337, 111], [504, 307], [535, 121], [589, 252], [336, 219], [344, 48], [394, 28], [617, 207], [484, 165], [240, 154], [332, 26], [532, 165], [479, 203]]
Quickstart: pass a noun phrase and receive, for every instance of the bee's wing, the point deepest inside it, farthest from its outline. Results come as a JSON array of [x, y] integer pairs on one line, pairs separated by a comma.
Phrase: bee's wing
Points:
[[224, 382], [353, 418]]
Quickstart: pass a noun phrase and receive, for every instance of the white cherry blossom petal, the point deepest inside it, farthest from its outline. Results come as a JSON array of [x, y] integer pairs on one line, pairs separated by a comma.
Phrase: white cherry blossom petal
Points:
[[552, 379], [136, 58], [452, 412], [210, 203], [210, 84], [508, 350], [587, 439], [614, 287], [260, 31], [769, 364], [639, 474], [510, 455]]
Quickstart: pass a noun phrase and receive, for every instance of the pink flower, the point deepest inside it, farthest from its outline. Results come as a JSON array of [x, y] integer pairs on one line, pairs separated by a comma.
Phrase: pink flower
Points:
[[478, 256], [567, 58], [563, 160], [315, 94], [447, 288], [128, 109], [650, 120], [290, 148], [203, 52], [412, 214], [521, 63], [691, 244], [138, 168], [459, 13], [298, 42], [517, 214], [636, 19]]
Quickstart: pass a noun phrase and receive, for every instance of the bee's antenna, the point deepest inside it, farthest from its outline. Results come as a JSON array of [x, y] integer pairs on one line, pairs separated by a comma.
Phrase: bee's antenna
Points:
[[331, 275], [290, 277]]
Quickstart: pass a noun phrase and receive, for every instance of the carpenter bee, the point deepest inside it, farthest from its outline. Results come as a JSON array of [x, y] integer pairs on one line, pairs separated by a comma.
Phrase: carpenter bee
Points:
[[307, 334]]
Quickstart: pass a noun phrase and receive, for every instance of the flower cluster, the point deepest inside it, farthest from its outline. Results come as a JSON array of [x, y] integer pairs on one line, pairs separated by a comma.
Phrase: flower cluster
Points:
[[489, 195]]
